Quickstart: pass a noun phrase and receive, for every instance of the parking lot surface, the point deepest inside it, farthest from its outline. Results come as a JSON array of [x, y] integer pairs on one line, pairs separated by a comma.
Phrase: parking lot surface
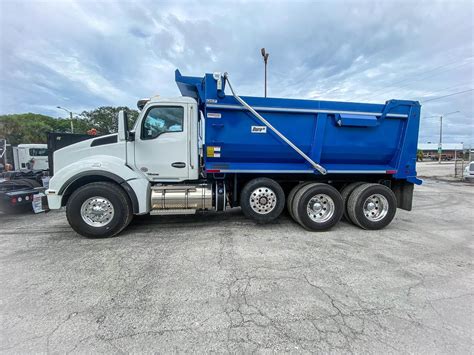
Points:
[[442, 171], [220, 282]]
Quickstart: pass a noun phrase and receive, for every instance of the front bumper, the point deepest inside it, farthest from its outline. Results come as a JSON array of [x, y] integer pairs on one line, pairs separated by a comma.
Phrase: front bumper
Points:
[[54, 200]]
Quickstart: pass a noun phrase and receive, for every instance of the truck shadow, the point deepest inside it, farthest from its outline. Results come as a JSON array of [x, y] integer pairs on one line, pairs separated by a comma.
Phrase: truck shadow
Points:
[[200, 218]]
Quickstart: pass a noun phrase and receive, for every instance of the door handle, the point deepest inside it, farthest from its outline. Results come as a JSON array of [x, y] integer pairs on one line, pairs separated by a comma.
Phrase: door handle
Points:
[[178, 164]]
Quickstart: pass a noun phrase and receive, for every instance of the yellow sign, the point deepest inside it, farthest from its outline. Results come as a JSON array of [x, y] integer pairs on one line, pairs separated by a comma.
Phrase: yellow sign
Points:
[[213, 152]]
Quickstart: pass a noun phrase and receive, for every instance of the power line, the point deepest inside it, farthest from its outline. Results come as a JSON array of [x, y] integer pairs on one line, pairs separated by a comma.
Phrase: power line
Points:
[[447, 88], [442, 97], [409, 80]]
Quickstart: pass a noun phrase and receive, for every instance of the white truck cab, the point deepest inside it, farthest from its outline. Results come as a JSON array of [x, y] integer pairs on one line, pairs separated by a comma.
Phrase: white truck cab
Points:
[[28, 157], [161, 149], [165, 146]]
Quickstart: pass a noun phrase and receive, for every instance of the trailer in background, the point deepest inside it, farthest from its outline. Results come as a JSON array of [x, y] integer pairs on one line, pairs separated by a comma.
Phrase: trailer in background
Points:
[[18, 189]]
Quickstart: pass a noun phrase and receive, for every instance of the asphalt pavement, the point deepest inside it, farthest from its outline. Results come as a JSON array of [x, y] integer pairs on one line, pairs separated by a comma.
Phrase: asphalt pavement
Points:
[[221, 283]]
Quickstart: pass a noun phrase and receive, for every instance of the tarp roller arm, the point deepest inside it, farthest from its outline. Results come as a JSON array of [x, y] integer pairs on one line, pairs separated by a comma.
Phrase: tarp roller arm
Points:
[[268, 124]]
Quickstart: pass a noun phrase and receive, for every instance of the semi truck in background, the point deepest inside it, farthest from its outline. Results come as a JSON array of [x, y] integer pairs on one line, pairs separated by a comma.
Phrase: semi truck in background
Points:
[[28, 157], [30, 172], [20, 185], [211, 149]]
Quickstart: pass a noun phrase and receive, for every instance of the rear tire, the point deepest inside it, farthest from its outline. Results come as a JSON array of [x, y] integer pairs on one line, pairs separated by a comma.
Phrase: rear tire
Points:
[[262, 199], [345, 193], [318, 206], [372, 206], [291, 197], [99, 210]]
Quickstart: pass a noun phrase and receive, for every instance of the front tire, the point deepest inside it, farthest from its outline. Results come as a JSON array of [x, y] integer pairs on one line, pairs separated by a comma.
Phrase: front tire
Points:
[[372, 206], [262, 199], [99, 210]]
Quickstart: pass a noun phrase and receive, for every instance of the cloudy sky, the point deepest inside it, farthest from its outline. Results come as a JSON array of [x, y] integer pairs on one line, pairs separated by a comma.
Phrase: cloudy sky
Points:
[[85, 54]]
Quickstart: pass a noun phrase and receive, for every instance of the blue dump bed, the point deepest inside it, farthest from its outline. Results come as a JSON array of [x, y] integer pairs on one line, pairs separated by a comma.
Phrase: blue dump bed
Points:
[[343, 137]]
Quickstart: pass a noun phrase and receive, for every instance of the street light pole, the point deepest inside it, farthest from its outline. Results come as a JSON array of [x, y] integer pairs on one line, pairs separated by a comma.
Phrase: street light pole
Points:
[[265, 60], [72, 123], [70, 116]]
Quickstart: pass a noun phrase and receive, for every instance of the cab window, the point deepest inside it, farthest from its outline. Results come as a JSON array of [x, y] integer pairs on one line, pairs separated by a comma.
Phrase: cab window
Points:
[[38, 152], [161, 120]]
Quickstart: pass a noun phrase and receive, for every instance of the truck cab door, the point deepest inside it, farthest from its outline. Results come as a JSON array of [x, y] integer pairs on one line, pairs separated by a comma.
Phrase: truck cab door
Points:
[[161, 142]]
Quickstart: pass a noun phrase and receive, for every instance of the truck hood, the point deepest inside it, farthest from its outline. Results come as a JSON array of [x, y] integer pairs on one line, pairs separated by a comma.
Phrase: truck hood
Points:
[[104, 145]]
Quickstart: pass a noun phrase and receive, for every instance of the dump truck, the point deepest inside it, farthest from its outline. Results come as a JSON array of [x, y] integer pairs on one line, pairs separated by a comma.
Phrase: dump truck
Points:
[[211, 149]]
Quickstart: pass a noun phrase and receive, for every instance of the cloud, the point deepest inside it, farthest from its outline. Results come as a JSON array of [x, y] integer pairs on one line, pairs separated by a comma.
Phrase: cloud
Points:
[[82, 54]]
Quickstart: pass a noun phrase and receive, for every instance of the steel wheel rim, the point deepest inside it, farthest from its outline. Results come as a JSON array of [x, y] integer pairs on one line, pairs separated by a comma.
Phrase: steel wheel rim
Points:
[[263, 200], [97, 211], [375, 207], [320, 208]]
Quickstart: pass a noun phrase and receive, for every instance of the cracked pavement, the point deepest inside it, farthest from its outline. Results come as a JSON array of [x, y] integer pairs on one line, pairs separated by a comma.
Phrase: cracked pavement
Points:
[[221, 283]]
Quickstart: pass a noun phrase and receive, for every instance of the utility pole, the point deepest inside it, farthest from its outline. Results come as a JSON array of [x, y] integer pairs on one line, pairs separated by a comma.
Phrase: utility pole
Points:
[[265, 60], [440, 146]]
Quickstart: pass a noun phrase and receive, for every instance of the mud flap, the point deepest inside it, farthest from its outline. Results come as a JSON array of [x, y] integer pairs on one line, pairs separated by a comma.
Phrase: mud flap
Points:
[[403, 191]]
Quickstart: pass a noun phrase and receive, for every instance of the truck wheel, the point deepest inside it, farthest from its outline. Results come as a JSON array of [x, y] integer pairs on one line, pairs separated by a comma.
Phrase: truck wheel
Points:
[[99, 210], [291, 197], [318, 206], [372, 206], [345, 193], [262, 199]]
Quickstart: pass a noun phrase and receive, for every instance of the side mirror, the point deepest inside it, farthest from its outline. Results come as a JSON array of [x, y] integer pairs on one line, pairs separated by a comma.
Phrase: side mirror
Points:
[[122, 126]]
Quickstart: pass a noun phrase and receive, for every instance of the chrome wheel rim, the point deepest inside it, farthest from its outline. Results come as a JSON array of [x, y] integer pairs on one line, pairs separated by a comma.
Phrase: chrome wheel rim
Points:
[[263, 200], [375, 207], [320, 208], [97, 211]]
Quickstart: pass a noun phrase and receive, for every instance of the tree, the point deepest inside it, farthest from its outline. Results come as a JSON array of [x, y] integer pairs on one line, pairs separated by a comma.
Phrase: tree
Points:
[[26, 128], [104, 119], [33, 128], [419, 155]]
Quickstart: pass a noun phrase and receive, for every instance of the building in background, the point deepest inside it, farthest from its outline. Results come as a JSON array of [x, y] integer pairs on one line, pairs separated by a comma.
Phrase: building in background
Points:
[[450, 151]]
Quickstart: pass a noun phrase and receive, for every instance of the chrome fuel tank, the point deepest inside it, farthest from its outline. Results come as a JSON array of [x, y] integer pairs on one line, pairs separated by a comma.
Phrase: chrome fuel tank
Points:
[[181, 198]]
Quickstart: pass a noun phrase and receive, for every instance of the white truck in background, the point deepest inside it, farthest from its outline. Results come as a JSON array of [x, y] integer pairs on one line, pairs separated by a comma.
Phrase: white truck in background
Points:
[[28, 157], [19, 187]]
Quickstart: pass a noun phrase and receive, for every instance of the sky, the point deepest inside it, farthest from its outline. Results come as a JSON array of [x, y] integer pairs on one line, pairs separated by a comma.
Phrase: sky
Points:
[[86, 54]]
